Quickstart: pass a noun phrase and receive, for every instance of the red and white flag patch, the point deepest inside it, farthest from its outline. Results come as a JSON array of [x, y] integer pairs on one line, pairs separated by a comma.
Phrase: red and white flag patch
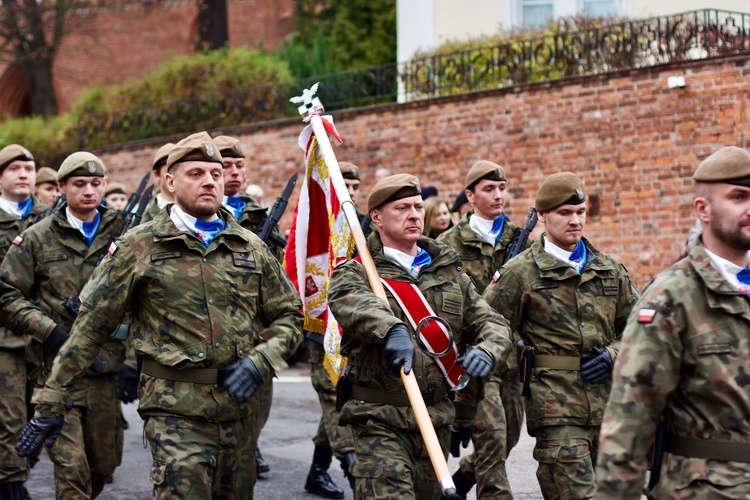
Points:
[[496, 276], [17, 240], [112, 248], [646, 315]]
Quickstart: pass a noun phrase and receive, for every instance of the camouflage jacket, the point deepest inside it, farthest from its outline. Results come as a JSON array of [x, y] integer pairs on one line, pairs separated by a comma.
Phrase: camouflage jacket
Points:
[[688, 363], [480, 259], [251, 218], [562, 313], [10, 227], [366, 320], [152, 209], [190, 307], [48, 264]]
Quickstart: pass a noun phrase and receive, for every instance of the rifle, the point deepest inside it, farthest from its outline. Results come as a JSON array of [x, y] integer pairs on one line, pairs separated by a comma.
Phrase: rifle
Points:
[[133, 217], [267, 225], [521, 236], [135, 196]]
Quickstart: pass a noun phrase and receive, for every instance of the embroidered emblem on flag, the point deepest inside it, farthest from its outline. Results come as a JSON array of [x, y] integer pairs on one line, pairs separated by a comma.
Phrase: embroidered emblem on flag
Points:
[[646, 315]]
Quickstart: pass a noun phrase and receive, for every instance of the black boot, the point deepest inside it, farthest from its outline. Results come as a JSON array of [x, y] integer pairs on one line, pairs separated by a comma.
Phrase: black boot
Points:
[[346, 463], [13, 491], [463, 484], [318, 481], [260, 464]]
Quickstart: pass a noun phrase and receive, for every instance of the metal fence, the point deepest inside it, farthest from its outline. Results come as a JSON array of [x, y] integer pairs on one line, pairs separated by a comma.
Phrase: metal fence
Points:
[[631, 44]]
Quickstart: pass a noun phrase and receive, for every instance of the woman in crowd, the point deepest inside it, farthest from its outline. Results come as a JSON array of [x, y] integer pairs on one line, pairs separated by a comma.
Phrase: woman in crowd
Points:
[[437, 216]]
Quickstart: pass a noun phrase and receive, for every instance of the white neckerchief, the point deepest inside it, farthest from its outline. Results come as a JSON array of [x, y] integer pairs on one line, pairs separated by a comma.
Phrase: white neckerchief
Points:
[[10, 206], [401, 259], [483, 228], [558, 253], [727, 269], [184, 221], [161, 202]]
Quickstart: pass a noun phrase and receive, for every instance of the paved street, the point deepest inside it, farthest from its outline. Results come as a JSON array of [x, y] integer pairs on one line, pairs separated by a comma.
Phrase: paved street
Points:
[[286, 444]]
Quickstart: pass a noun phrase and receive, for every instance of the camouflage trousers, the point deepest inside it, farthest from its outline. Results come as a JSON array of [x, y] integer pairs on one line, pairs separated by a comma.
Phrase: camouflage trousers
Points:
[[195, 459], [497, 430], [13, 412], [330, 434], [567, 458], [90, 444], [265, 398], [393, 463]]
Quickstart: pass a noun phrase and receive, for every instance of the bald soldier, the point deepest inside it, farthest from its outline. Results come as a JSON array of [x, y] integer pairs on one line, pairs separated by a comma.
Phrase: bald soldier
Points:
[[18, 210], [40, 280], [212, 317], [159, 172], [379, 341], [685, 357], [489, 410], [569, 303]]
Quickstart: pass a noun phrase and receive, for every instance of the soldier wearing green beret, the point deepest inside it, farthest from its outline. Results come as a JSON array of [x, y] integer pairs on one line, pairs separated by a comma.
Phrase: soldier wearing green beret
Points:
[[19, 209], [380, 339], [489, 410], [685, 357], [569, 303], [116, 196], [212, 316], [45, 187], [40, 280], [159, 171]]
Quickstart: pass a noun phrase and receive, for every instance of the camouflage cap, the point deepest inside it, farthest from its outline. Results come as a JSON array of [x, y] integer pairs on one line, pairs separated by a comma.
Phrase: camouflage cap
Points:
[[483, 169], [229, 147], [195, 147], [392, 188], [81, 164], [160, 158], [13, 152], [729, 164], [349, 170], [560, 189], [115, 188], [46, 175]]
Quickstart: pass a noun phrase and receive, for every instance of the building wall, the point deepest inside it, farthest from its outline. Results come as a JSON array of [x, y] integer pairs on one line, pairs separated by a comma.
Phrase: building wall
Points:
[[634, 141]]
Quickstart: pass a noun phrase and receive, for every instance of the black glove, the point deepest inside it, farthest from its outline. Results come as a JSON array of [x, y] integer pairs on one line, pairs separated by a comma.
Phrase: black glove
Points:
[[36, 431], [597, 368], [399, 349], [55, 340], [460, 437], [476, 363], [243, 379], [127, 384]]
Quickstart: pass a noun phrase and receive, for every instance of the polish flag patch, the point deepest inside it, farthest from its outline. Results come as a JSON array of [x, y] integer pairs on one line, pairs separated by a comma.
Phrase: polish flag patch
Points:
[[17, 240], [646, 315], [496, 276], [112, 248]]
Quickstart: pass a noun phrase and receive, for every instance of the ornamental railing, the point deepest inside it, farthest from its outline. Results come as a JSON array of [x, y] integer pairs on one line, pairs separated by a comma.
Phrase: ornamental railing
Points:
[[691, 35]]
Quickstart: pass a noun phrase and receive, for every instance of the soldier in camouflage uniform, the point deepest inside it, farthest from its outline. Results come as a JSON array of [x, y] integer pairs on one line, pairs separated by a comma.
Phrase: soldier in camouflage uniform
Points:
[[45, 187], [379, 341], [40, 280], [159, 171], [249, 214], [491, 409], [200, 290], [569, 302], [18, 210], [685, 356], [331, 438]]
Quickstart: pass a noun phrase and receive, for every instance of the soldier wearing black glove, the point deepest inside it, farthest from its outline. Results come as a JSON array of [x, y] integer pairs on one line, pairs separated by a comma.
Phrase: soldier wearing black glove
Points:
[[55, 340], [38, 430], [127, 384], [477, 363], [597, 368], [399, 349], [243, 379], [460, 437]]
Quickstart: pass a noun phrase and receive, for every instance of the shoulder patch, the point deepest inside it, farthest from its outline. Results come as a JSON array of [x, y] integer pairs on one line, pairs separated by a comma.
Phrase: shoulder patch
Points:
[[112, 248], [17, 240], [646, 315], [496, 276]]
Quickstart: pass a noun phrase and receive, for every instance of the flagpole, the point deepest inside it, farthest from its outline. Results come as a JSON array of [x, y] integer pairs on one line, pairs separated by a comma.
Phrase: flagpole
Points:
[[311, 109]]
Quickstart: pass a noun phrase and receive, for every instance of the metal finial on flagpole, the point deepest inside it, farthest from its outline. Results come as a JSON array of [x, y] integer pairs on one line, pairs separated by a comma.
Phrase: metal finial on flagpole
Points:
[[310, 104]]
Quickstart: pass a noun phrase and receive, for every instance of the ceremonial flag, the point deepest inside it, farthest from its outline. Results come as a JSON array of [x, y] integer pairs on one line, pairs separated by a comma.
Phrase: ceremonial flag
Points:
[[318, 238]]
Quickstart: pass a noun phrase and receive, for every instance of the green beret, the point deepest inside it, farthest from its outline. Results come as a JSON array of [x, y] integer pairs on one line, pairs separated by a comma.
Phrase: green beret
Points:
[[229, 147], [349, 170], [483, 169], [114, 188], [563, 188], [13, 152], [729, 164], [46, 175], [81, 164], [196, 147], [392, 188], [160, 158]]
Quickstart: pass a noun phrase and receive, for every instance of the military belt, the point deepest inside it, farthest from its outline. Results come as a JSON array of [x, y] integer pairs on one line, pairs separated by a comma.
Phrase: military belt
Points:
[[557, 362], [395, 398], [707, 449], [190, 375]]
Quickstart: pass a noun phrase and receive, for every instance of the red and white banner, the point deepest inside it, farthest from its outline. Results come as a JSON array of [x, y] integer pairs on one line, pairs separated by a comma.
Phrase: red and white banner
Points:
[[319, 236]]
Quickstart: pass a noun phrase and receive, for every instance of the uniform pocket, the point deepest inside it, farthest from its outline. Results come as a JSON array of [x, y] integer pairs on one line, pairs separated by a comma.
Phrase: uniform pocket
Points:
[[367, 467], [158, 474]]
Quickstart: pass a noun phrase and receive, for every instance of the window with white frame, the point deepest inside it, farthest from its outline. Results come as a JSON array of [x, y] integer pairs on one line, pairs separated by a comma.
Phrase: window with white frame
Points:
[[531, 13], [535, 13]]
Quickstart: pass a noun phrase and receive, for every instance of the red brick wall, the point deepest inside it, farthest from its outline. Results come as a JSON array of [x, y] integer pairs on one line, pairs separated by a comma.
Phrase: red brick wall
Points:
[[634, 142]]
